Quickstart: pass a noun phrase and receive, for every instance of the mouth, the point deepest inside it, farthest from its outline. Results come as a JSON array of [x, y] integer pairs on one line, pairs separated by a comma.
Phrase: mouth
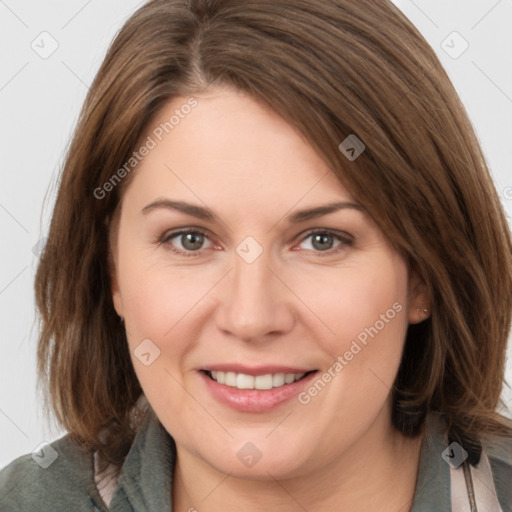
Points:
[[267, 389], [259, 382]]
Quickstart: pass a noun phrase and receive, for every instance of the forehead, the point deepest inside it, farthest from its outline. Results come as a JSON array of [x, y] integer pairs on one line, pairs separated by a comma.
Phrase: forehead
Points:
[[232, 148]]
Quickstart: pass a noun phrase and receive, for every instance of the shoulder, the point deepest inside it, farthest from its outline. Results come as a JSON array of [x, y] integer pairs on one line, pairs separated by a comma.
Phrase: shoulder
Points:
[[499, 449], [53, 478]]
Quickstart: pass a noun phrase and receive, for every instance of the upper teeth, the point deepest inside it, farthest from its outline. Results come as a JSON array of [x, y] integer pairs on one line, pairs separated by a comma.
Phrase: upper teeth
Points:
[[243, 381]]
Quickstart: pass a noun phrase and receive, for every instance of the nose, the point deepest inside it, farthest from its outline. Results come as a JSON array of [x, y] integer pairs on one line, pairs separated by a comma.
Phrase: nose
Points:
[[255, 304]]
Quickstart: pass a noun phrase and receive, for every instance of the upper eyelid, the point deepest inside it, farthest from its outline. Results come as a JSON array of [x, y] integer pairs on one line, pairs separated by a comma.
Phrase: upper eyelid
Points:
[[180, 231]]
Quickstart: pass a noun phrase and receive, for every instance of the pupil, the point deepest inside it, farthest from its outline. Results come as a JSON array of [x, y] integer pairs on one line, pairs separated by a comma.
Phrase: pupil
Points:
[[322, 239]]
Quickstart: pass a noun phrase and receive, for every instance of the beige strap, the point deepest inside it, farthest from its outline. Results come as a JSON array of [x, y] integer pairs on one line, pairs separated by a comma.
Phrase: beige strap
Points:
[[106, 482], [480, 485]]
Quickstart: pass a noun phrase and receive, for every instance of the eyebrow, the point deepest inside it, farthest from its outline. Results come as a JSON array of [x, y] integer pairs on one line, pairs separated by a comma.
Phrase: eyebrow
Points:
[[208, 215]]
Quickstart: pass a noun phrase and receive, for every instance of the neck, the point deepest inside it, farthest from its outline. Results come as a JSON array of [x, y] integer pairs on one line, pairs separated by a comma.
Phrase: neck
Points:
[[378, 472]]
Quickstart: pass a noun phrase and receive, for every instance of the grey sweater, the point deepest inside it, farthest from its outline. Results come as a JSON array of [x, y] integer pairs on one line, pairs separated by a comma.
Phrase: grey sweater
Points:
[[67, 484]]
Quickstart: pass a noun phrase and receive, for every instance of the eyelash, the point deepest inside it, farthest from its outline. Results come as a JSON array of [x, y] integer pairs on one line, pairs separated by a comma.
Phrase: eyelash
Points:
[[345, 239]]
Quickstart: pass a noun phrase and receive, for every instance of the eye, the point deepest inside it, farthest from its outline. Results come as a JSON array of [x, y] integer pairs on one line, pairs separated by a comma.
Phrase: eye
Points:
[[323, 241], [190, 242]]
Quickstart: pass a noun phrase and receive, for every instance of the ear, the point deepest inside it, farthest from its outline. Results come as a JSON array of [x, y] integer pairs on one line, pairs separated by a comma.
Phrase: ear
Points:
[[419, 301], [112, 264]]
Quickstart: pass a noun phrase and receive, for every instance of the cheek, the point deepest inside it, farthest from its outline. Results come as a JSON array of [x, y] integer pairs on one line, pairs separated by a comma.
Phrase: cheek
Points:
[[164, 303], [363, 312], [155, 297], [366, 308], [158, 303]]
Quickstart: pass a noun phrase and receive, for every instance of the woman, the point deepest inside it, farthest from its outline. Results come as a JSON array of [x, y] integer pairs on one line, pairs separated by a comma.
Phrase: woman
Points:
[[202, 348]]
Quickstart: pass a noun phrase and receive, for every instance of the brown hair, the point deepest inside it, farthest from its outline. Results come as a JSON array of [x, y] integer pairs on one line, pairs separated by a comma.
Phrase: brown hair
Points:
[[330, 69]]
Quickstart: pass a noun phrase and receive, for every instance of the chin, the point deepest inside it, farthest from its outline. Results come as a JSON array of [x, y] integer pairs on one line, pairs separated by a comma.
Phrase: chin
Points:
[[246, 461]]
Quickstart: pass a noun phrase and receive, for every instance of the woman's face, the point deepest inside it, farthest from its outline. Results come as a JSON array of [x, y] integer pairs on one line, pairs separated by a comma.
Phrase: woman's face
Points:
[[218, 275]]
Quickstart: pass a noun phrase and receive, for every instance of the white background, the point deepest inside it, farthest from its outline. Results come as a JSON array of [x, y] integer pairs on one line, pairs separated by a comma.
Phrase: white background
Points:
[[40, 101]]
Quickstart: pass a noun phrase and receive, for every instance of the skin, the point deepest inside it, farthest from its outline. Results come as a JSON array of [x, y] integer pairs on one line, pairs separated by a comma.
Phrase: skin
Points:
[[293, 305]]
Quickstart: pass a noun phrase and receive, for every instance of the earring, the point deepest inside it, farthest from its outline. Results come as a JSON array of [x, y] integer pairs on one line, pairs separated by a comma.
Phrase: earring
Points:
[[425, 310]]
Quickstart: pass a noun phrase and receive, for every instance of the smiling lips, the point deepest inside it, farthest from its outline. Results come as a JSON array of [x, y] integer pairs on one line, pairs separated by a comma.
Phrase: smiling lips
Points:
[[255, 390]]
